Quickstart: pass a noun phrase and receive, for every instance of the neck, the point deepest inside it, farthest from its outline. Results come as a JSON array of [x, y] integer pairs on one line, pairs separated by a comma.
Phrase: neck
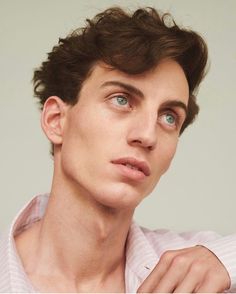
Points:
[[83, 237], [91, 235]]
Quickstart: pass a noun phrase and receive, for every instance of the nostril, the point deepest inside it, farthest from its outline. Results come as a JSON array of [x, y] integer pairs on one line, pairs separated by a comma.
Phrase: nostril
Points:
[[144, 144], [137, 141]]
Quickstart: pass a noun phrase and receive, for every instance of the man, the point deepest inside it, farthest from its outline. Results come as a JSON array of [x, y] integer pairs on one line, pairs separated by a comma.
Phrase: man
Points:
[[115, 97]]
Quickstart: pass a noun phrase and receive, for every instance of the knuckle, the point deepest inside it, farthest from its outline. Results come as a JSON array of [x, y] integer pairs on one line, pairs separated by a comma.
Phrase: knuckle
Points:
[[197, 268], [180, 260], [211, 278], [167, 256]]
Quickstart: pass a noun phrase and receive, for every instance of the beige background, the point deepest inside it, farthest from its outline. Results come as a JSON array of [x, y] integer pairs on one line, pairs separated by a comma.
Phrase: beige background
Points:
[[199, 192]]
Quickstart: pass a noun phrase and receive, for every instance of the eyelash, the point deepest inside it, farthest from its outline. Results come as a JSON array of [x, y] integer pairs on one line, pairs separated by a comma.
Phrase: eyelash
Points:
[[126, 96]]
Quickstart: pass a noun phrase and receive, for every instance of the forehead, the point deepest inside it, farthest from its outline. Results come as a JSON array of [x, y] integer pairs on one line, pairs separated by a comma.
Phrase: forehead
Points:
[[167, 78]]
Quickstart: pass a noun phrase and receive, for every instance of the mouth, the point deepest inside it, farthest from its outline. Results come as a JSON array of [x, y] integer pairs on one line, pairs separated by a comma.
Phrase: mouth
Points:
[[133, 168]]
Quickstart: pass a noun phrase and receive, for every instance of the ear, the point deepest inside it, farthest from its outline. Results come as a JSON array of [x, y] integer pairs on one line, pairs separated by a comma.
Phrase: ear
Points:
[[52, 119]]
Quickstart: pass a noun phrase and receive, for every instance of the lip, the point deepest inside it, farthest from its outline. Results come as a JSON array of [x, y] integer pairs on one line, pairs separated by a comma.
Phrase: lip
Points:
[[141, 166]]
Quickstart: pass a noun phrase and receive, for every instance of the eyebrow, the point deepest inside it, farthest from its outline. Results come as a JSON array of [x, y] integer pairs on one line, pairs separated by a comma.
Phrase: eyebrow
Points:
[[136, 91], [175, 103], [127, 87]]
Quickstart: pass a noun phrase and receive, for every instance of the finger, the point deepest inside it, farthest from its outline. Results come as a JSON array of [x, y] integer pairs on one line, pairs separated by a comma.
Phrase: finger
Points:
[[189, 283], [192, 280], [158, 272], [177, 272], [210, 285], [209, 288]]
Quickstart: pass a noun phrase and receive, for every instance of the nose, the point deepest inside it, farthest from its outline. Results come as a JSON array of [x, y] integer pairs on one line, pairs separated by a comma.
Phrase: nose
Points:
[[143, 132]]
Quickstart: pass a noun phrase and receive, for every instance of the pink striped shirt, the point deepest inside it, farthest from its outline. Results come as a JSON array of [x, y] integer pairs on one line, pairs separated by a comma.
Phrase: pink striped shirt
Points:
[[144, 248]]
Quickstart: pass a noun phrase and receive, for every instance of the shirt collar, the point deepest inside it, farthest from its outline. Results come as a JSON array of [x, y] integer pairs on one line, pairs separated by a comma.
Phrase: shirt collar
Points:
[[141, 258], [14, 279], [140, 255]]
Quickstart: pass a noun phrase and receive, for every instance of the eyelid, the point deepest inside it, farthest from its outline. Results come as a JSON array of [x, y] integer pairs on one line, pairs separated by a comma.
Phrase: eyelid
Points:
[[177, 115], [121, 94], [115, 94], [134, 98]]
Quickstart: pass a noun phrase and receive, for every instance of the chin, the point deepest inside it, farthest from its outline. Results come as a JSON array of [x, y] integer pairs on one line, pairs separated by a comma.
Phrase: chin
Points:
[[122, 196]]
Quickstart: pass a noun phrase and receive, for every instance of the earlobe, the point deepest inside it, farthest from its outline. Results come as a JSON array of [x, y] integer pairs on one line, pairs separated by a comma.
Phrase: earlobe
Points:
[[52, 118]]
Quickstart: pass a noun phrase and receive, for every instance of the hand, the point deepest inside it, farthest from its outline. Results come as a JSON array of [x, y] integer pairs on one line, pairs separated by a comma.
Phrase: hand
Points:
[[191, 270]]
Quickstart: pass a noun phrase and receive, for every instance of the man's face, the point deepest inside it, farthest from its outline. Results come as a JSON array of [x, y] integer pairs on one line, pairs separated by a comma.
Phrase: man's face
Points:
[[120, 137]]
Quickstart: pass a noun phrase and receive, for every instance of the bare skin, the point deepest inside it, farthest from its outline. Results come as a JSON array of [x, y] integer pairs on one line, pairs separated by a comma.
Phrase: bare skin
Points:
[[79, 245], [95, 264]]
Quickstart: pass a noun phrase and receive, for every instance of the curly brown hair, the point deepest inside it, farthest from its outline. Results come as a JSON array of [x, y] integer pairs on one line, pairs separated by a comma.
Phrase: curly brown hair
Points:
[[130, 42]]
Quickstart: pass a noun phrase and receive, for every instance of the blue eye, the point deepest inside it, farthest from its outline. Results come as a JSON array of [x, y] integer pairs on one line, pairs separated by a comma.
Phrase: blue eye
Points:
[[121, 100], [170, 119]]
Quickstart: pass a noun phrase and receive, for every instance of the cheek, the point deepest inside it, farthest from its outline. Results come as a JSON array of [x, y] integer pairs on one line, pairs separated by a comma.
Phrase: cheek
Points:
[[165, 154], [83, 130], [171, 150], [87, 139], [161, 161]]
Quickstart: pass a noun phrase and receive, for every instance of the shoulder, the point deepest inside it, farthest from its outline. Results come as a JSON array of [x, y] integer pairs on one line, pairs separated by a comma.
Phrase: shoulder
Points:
[[5, 247], [164, 239]]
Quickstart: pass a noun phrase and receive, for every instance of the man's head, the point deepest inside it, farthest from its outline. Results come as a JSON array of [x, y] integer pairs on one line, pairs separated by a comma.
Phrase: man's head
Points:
[[115, 97], [117, 141], [130, 42]]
